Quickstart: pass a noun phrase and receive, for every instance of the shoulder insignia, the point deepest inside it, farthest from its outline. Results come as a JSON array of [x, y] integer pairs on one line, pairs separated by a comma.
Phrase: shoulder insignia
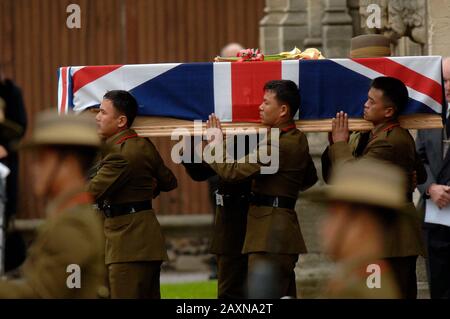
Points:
[[391, 127], [123, 139]]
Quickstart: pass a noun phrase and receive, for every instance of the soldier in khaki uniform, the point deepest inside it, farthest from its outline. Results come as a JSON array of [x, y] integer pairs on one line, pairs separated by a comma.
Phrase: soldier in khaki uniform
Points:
[[365, 198], [129, 174], [230, 223], [388, 141], [363, 46], [273, 234], [71, 242]]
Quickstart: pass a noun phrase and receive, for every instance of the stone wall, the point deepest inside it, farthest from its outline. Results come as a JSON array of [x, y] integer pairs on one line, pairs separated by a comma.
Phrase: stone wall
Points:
[[438, 25], [416, 27]]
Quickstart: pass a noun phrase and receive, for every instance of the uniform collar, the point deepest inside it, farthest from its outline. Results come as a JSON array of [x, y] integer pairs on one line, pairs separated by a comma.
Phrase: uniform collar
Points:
[[120, 135], [384, 127], [287, 126]]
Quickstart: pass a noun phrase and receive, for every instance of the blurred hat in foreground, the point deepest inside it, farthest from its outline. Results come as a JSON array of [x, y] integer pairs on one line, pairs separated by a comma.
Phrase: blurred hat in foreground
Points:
[[52, 129], [366, 181]]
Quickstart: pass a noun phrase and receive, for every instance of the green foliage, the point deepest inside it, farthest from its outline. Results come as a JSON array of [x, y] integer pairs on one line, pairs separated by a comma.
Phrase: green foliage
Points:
[[190, 290]]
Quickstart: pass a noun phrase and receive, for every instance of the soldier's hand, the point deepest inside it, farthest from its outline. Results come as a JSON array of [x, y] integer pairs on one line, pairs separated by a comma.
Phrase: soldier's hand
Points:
[[439, 194], [339, 127], [214, 128], [3, 152]]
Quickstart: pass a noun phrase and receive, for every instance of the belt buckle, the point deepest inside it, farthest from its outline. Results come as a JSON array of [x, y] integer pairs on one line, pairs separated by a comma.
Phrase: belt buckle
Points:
[[219, 199], [275, 202]]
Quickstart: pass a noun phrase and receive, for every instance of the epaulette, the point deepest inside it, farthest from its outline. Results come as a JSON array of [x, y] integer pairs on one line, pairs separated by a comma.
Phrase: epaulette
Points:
[[123, 139], [391, 127], [387, 129]]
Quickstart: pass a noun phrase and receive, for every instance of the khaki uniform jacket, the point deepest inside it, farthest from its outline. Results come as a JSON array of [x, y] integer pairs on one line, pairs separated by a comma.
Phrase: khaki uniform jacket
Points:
[[270, 229], [124, 174], [230, 221], [73, 236], [391, 143]]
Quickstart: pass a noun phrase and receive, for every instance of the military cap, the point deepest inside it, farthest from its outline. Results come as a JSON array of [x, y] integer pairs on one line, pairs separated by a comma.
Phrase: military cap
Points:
[[52, 129], [370, 46], [366, 181]]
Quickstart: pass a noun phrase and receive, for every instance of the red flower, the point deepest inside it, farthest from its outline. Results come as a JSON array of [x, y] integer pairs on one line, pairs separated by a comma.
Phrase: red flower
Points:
[[250, 55]]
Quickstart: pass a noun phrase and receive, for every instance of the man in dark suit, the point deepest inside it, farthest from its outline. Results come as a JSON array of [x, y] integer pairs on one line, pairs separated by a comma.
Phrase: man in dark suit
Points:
[[432, 146], [13, 124]]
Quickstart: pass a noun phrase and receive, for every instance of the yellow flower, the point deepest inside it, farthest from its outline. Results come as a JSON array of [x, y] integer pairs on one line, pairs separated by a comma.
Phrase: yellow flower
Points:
[[293, 54], [312, 54]]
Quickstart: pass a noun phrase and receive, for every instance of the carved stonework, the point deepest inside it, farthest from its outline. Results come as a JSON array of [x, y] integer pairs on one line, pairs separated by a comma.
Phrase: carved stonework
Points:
[[407, 18], [399, 18], [337, 29]]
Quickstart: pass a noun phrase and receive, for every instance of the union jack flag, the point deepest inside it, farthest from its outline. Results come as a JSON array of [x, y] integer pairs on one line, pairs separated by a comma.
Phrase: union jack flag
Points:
[[234, 90]]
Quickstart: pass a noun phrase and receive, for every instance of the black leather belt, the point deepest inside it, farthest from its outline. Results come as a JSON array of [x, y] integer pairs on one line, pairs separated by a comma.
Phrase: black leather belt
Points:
[[115, 210], [273, 201], [231, 199]]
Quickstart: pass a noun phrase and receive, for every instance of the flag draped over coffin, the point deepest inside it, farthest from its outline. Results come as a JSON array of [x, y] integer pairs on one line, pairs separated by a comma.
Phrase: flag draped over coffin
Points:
[[234, 91]]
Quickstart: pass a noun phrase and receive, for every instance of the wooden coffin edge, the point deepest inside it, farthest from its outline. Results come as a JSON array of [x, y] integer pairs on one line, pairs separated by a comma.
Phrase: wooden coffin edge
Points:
[[163, 126]]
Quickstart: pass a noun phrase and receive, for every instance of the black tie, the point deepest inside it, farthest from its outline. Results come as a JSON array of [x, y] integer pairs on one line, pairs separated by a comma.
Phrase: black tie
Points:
[[447, 127]]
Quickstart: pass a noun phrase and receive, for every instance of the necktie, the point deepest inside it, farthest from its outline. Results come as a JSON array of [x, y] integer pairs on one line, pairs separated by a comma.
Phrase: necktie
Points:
[[447, 135], [447, 127]]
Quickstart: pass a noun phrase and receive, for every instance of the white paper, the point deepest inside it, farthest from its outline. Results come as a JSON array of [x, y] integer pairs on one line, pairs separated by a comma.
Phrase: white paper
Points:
[[4, 171], [435, 215]]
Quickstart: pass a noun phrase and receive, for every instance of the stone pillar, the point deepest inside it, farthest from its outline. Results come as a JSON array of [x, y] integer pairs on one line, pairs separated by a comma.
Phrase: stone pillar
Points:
[[294, 28], [315, 12], [438, 27], [337, 29], [353, 8], [270, 26]]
